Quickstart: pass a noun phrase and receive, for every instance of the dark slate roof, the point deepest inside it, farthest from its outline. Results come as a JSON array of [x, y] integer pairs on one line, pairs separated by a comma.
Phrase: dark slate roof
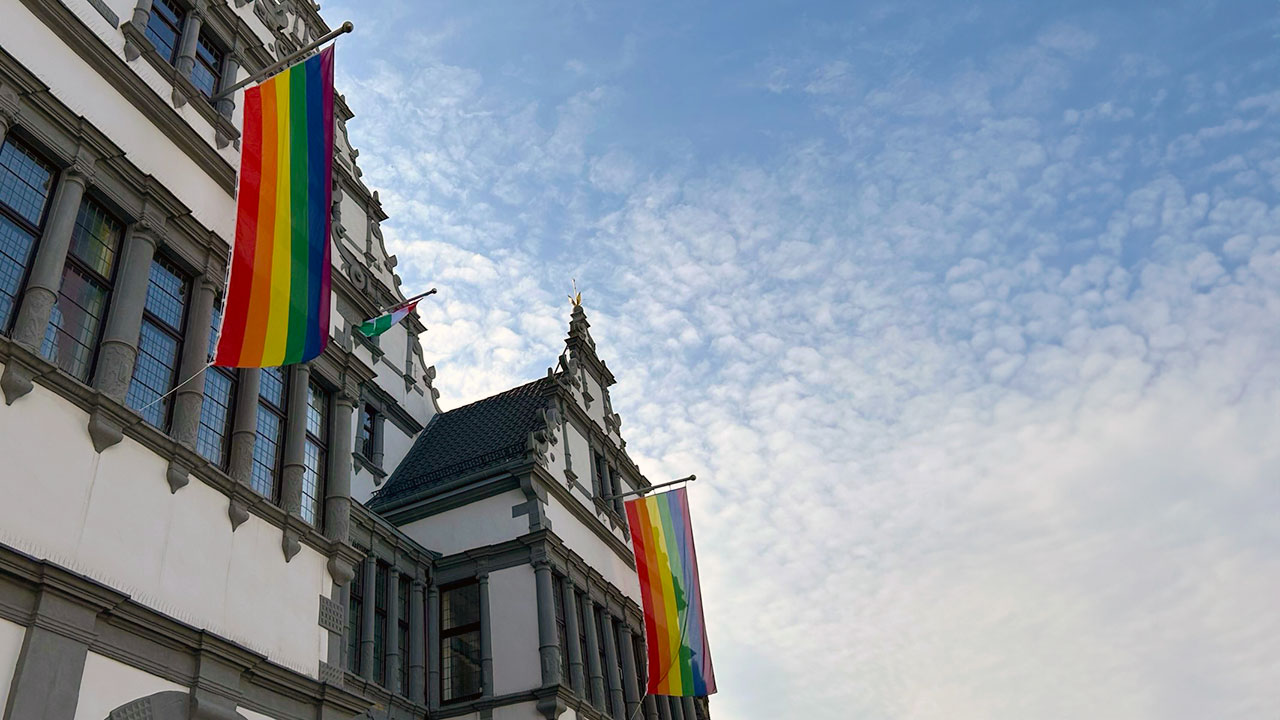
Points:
[[467, 439]]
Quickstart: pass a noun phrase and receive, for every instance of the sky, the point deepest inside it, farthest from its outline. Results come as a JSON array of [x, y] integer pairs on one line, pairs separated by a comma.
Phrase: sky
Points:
[[966, 315]]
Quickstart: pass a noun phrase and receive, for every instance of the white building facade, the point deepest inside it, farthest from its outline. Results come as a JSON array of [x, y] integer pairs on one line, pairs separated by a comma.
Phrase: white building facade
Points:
[[208, 553]]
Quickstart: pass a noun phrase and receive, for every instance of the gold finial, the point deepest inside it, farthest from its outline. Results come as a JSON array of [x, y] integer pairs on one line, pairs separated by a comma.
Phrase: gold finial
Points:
[[576, 298]]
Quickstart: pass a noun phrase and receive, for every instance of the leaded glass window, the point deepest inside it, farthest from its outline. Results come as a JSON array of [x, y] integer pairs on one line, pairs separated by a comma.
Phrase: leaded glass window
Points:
[[159, 343], [164, 28], [355, 628], [380, 624], [315, 451], [562, 634], [219, 399], [460, 675], [71, 338], [207, 72], [26, 182], [272, 395], [402, 600], [583, 650], [601, 628], [365, 440]]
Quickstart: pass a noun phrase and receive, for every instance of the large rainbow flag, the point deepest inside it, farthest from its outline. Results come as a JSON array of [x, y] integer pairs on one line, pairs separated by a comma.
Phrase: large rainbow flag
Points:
[[277, 299], [675, 634]]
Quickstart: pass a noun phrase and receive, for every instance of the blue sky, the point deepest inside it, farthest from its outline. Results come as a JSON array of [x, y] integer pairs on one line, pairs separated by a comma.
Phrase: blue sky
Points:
[[966, 315]]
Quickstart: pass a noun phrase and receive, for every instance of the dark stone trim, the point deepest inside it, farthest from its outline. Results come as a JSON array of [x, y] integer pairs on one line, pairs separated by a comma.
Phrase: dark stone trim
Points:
[[115, 626], [72, 31], [454, 494], [106, 13]]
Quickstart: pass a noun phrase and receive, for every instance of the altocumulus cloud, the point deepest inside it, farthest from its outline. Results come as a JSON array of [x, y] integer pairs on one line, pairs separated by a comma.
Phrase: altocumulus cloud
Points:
[[969, 322]]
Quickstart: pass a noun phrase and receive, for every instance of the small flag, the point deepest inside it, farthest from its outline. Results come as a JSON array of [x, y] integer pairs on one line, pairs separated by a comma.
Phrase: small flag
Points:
[[277, 299], [675, 634], [383, 323]]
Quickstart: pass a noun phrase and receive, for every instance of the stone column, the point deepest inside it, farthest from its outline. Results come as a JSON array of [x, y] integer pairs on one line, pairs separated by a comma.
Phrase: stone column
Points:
[[337, 502], [379, 433], [51, 256], [230, 66], [548, 638], [630, 676], [417, 636], [486, 637], [186, 59], [571, 619], [195, 356], [689, 712], [367, 618], [611, 663], [433, 647], [594, 671], [392, 641], [141, 13], [46, 680], [677, 708], [295, 433], [244, 425], [664, 706], [124, 319]]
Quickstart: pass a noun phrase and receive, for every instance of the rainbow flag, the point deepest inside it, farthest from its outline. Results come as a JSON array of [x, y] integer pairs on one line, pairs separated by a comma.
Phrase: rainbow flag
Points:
[[675, 634], [277, 300]]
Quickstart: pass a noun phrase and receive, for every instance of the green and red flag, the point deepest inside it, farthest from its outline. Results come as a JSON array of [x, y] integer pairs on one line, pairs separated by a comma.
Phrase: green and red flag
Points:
[[674, 627], [383, 323], [277, 299]]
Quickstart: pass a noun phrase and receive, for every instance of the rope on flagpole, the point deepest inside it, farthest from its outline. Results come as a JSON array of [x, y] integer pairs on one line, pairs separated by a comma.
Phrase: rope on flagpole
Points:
[[176, 387]]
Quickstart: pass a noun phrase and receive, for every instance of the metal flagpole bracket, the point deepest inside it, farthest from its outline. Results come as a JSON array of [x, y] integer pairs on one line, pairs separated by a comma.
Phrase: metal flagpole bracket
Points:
[[651, 488], [282, 62]]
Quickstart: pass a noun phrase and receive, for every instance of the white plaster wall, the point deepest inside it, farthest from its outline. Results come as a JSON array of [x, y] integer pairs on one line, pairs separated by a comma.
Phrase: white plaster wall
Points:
[[395, 445], [484, 522], [11, 635], [522, 711], [582, 540], [108, 684], [362, 484], [80, 87], [513, 622], [112, 518]]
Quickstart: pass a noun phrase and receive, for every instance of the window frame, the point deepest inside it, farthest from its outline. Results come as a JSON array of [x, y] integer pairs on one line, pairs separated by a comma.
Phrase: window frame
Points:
[[178, 335], [381, 605], [281, 413], [355, 621], [36, 230], [215, 46], [180, 14], [233, 376], [562, 627], [588, 688], [404, 601], [603, 658], [321, 443], [106, 283], [476, 627], [368, 419]]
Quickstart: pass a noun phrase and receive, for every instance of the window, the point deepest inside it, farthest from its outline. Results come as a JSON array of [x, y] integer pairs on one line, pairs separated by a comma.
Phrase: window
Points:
[[616, 483], [164, 28], [71, 339], [355, 609], [272, 395], [25, 184], [584, 650], [380, 625], [601, 627], [207, 72], [159, 344], [315, 452], [219, 397], [642, 664], [402, 622], [562, 634], [601, 483], [460, 677], [367, 440], [615, 628]]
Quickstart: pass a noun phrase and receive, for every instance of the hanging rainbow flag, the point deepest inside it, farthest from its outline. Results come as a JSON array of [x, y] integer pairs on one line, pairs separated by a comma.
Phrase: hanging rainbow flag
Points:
[[675, 634], [277, 299]]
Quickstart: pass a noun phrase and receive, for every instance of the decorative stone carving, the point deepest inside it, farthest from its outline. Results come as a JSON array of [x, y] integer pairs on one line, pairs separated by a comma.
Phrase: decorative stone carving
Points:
[[291, 542], [16, 380], [115, 369], [104, 429], [237, 512], [177, 475], [340, 570], [333, 617]]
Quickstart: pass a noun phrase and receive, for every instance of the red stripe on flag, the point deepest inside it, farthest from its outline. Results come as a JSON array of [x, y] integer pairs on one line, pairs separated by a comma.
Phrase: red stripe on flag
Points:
[[236, 308], [640, 546]]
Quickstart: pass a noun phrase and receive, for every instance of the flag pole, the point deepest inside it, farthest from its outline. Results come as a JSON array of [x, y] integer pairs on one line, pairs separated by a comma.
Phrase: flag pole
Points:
[[406, 301], [651, 488], [262, 74]]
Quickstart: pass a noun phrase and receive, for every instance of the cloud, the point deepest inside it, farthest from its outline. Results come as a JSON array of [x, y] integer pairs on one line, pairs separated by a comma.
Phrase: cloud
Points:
[[978, 365]]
